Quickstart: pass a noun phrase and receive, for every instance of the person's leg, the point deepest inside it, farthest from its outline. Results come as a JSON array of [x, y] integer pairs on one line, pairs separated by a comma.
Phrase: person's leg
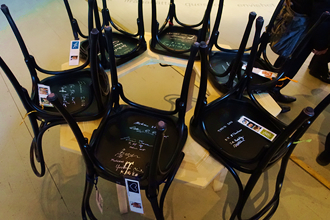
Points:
[[318, 67], [290, 67], [324, 158]]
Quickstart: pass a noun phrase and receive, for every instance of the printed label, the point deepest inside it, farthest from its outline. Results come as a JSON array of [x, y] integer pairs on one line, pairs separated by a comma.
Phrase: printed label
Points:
[[43, 92], [257, 128], [74, 53], [134, 195]]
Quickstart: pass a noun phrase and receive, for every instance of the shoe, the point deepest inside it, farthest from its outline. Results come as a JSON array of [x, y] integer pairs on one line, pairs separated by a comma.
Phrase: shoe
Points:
[[277, 96], [323, 159], [323, 77], [284, 108]]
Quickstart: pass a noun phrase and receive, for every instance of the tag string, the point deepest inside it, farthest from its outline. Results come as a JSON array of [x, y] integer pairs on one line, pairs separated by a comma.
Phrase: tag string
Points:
[[27, 115], [297, 142]]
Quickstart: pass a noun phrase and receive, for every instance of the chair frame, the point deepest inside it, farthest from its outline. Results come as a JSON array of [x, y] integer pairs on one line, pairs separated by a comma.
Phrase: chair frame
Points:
[[48, 118], [171, 16], [153, 176], [279, 150], [234, 70], [106, 21]]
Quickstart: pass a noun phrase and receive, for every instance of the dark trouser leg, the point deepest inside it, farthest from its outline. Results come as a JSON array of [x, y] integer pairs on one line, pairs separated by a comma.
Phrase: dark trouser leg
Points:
[[324, 158], [291, 67], [318, 66]]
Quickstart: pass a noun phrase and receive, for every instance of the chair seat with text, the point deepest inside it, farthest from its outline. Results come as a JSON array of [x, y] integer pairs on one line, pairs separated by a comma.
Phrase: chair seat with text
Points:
[[134, 141], [243, 136]]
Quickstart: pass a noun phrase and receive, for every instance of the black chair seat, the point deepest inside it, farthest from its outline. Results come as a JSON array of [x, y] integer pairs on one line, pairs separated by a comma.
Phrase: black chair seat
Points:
[[176, 39], [128, 140], [220, 62], [127, 45], [222, 133], [75, 91]]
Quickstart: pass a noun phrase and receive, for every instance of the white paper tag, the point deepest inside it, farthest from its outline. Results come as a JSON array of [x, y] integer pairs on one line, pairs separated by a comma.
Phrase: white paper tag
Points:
[[74, 53], [134, 195], [43, 92], [99, 200], [257, 128], [264, 73]]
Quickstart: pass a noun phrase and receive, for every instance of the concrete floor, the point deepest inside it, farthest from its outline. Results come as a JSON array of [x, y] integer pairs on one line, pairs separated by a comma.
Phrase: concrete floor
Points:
[[45, 28]]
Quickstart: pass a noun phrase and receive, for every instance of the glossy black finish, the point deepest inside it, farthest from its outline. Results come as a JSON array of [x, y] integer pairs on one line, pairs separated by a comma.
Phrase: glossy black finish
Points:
[[84, 92], [176, 39], [242, 145], [134, 141], [223, 66], [126, 45]]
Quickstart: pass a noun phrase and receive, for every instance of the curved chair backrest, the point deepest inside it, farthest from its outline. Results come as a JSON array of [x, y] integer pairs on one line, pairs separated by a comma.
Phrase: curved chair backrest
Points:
[[176, 40]]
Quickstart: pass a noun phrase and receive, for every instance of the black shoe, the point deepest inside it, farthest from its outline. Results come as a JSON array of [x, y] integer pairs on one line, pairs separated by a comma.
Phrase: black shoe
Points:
[[323, 77], [277, 96], [284, 108], [323, 159]]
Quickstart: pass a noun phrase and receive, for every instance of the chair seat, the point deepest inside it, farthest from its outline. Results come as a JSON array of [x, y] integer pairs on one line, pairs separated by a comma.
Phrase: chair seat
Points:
[[220, 61], [75, 91], [125, 146], [230, 134], [177, 39], [124, 46]]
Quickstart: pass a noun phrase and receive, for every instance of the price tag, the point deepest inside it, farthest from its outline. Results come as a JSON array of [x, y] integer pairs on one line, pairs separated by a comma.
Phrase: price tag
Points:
[[134, 195], [74, 53]]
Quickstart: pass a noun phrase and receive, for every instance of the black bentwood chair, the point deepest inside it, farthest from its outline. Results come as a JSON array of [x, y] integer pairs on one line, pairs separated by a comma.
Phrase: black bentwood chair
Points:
[[126, 45], [225, 65], [243, 136], [84, 93], [145, 142], [176, 40]]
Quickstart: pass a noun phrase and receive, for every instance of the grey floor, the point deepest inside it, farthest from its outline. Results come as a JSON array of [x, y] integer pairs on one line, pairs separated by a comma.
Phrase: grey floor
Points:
[[45, 28]]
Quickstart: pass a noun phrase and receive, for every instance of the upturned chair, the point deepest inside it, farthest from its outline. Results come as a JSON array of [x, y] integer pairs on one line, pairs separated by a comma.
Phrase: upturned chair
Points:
[[225, 65], [133, 141], [84, 92], [126, 45], [243, 136], [176, 39]]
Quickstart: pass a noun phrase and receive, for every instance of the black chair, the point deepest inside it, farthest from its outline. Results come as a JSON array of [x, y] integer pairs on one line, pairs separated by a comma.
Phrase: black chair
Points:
[[176, 40], [225, 65], [133, 137], [243, 136], [126, 45], [84, 92], [226, 70]]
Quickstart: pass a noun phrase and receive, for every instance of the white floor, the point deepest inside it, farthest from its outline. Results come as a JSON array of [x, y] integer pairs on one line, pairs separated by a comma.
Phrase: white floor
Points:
[[45, 28]]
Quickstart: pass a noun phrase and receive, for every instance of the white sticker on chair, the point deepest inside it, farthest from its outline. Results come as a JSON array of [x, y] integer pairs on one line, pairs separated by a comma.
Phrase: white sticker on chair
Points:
[[43, 92], [74, 53], [257, 128], [134, 195]]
